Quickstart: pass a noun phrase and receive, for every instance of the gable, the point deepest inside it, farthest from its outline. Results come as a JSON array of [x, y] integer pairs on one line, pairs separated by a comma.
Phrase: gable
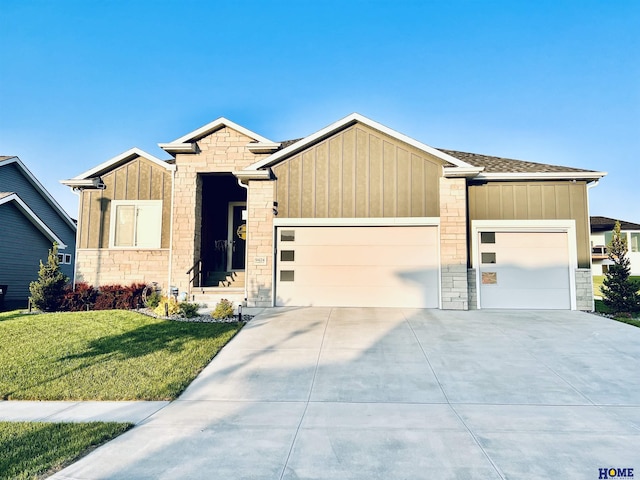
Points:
[[358, 172], [138, 179]]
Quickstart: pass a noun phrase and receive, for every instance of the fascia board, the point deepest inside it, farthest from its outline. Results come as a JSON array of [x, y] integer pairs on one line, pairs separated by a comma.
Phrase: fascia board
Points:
[[461, 172], [262, 147], [347, 121], [40, 225], [43, 191], [542, 176], [122, 158], [244, 175], [178, 147], [215, 125]]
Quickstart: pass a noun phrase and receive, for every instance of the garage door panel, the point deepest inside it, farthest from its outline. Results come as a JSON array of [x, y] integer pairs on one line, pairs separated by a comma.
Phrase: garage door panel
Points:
[[372, 275], [324, 236], [371, 296], [359, 255], [544, 298], [359, 266], [530, 278]]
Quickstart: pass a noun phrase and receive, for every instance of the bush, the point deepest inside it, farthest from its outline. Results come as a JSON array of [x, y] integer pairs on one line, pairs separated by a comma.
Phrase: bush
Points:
[[619, 291], [224, 309], [153, 299], [119, 297], [189, 310], [174, 306], [48, 291], [79, 299]]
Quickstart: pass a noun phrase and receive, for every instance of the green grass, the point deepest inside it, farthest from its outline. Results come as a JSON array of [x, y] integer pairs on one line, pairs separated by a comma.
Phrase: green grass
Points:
[[602, 308], [597, 283], [104, 355], [31, 450]]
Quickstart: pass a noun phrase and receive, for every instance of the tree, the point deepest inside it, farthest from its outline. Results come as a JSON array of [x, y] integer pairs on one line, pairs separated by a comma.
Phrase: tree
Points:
[[619, 291], [47, 292]]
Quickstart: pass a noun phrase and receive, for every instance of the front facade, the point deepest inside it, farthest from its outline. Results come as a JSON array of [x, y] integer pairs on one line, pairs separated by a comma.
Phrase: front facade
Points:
[[31, 221], [601, 234], [355, 214]]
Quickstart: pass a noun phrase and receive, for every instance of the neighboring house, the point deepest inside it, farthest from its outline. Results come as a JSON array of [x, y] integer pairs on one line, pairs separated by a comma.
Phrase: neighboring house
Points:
[[355, 214], [30, 222], [601, 234]]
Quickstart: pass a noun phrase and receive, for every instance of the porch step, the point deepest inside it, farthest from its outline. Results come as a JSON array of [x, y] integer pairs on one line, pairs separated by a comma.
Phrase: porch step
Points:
[[210, 296]]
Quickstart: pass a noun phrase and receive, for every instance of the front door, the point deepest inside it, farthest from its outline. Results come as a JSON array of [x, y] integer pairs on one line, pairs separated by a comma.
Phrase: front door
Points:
[[237, 236]]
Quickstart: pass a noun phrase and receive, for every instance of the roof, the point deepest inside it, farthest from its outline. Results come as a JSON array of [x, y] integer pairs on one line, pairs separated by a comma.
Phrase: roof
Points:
[[5, 157], [9, 160], [493, 164], [116, 161], [6, 197], [606, 224], [186, 143]]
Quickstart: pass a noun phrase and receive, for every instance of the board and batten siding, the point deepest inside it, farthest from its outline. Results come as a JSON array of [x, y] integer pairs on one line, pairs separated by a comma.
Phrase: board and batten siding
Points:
[[138, 179], [535, 201], [358, 172]]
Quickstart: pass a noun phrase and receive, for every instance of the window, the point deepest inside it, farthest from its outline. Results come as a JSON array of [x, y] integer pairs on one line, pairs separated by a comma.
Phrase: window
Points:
[[136, 223], [287, 255], [286, 275], [634, 242], [488, 257], [487, 237], [287, 235], [64, 259], [608, 236]]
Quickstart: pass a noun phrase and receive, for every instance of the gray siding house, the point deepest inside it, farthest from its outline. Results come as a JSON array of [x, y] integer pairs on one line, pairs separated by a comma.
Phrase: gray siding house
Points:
[[30, 222]]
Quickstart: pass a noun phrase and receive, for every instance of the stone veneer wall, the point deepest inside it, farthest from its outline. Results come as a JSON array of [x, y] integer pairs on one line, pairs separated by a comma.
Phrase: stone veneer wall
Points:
[[473, 289], [584, 289], [108, 266], [224, 150], [453, 244], [260, 243]]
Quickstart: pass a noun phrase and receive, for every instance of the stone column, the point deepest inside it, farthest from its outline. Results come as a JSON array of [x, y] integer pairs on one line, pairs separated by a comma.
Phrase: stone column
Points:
[[260, 248], [453, 243]]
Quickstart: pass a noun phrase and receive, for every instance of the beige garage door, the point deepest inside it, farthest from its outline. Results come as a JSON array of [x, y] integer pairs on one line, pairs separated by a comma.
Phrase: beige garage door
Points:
[[357, 266], [524, 270]]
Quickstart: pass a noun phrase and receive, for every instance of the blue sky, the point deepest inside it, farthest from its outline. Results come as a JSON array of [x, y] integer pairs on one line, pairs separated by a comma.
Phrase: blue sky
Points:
[[546, 81]]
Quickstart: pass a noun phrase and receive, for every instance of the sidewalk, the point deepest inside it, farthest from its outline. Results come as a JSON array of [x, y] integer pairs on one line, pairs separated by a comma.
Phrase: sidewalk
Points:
[[93, 411]]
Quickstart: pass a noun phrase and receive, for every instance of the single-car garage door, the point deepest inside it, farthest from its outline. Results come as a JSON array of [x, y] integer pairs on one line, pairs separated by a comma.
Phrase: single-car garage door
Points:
[[524, 270], [377, 266]]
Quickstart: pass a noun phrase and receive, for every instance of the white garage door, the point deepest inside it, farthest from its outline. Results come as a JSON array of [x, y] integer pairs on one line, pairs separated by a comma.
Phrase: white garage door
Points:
[[524, 270], [394, 266]]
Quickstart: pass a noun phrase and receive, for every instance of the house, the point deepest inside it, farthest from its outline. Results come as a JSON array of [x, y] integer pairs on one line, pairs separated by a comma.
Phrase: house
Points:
[[601, 234], [30, 222], [353, 214]]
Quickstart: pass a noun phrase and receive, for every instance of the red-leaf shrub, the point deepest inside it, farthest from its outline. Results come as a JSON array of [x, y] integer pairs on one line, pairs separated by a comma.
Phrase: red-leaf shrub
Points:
[[112, 297], [76, 300]]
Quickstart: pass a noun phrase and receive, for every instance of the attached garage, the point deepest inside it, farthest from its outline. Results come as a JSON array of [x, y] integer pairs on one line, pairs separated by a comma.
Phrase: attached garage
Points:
[[530, 269], [348, 265]]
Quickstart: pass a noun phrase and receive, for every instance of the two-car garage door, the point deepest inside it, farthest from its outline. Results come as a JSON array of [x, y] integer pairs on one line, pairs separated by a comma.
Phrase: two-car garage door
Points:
[[377, 266]]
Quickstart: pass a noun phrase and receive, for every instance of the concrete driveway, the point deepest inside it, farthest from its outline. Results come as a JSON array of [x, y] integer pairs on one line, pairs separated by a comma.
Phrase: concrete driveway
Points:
[[356, 393]]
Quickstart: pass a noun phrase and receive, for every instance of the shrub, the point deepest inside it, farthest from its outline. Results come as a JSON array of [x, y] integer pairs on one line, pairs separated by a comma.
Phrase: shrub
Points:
[[80, 298], [174, 306], [153, 299], [48, 291], [189, 310], [116, 296], [224, 309], [619, 291]]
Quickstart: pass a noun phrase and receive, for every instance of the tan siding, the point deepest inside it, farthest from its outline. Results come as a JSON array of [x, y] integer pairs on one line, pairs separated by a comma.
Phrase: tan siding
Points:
[[358, 172], [137, 180], [534, 201]]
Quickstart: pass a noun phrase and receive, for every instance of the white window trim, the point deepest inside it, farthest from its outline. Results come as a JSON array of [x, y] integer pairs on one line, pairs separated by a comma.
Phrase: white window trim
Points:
[[112, 223], [521, 226]]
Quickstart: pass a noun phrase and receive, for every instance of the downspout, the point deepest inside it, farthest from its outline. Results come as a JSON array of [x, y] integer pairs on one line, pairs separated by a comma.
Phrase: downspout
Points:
[[77, 191], [170, 269], [589, 187], [246, 250]]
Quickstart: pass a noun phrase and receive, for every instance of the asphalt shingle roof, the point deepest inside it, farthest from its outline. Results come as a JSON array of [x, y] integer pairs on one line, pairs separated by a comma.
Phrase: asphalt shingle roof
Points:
[[508, 165]]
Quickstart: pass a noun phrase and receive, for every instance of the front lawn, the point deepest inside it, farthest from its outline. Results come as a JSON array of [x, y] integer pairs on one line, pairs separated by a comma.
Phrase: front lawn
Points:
[[32, 449], [103, 355], [597, 283]]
